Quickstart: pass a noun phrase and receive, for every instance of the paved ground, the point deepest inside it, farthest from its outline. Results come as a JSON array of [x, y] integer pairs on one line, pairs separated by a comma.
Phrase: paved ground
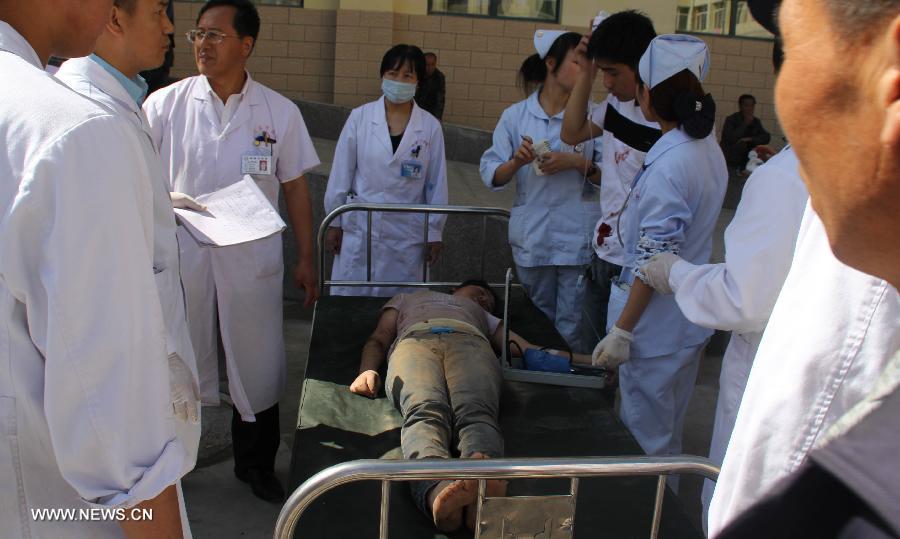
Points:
[[220, 506]]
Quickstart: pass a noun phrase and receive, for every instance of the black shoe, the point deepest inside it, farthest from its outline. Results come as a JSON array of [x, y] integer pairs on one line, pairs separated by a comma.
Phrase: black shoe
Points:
[[263, 484]]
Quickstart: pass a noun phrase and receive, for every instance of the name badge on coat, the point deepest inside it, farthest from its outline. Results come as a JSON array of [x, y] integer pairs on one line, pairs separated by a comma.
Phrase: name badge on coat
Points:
[[256, 164], [259, 159], [412, 169]]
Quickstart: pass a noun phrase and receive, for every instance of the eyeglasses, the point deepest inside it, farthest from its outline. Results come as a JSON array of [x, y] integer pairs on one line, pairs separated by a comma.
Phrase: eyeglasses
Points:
[[213, 36]]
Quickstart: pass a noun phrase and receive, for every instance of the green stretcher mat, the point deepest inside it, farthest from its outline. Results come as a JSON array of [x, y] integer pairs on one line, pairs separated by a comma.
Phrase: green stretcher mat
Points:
[[537, 420]]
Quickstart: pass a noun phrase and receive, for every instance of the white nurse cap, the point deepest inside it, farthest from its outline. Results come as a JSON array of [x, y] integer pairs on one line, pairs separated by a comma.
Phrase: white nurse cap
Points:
[[543, 40], [670, 54], [601, 16]]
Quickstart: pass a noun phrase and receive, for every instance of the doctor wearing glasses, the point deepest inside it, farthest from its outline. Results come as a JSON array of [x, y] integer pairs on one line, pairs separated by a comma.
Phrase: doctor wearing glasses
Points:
[[211, 129], [390, 151]]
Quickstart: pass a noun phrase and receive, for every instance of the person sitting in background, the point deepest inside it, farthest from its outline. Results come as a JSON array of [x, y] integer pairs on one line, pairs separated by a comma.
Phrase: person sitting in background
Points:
[[444, 377], [431, 92], [742, 132]]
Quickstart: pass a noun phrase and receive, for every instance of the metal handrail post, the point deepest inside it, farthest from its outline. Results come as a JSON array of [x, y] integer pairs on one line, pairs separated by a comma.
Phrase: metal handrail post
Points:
[[369, 245], [385, 509], [657, 506], [426, 252]]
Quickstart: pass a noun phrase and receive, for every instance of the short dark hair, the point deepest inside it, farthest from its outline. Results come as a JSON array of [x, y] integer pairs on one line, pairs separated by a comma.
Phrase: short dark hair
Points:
[[855, 20], [433, 55], [622, 38], [246, 18], [126, 5], [397, 57], [481, 283], [534, 69], [746, 96]]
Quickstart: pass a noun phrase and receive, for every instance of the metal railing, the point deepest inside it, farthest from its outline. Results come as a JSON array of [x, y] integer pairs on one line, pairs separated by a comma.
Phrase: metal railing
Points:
[[388, 471], [426, 209]]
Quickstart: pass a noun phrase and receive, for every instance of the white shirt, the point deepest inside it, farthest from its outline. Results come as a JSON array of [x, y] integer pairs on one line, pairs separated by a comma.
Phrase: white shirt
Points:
[[739, 294], [627, 137], [831, 333], [226, 110], [85, 411]]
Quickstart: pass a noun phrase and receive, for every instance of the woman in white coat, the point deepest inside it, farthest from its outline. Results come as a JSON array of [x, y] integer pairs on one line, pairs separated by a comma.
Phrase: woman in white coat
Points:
[[390, 151], [556, 204], [672, 207]]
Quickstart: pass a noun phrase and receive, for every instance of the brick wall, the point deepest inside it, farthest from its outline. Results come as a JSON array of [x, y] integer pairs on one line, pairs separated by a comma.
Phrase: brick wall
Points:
[[333, 56], [743, 66], [294, 54]]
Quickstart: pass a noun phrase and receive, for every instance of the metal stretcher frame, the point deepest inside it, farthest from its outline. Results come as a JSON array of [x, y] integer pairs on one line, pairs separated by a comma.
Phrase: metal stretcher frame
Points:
[[388, 471], [426, 209]]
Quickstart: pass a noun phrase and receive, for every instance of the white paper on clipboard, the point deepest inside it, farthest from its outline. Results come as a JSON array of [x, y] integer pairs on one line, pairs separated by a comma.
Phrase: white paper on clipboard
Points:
[[235, 214]]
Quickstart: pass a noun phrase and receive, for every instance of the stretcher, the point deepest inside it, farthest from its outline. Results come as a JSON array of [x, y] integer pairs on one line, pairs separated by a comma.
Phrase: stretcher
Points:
[[553, 432]]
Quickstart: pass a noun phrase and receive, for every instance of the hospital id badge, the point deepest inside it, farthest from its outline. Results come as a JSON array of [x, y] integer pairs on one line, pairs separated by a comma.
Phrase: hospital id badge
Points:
[[412, 169], [256, 164]]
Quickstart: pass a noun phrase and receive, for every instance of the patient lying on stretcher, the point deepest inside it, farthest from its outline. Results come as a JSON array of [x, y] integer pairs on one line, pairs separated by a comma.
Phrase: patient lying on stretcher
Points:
[[444, 377]]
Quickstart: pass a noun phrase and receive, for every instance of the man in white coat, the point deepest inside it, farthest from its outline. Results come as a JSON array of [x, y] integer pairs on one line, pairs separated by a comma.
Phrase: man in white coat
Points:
[[211, 129], [135, 39], [86, 413], [833, 328]]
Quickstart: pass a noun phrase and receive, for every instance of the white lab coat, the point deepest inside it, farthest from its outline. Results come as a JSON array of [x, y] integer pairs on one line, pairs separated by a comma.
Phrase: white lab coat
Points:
[[366, 169], [831, 333], [738, 294], [89, 79], [85, 410], [242, 283]]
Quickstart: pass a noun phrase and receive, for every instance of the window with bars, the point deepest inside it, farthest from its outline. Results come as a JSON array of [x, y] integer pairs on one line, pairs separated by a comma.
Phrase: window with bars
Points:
[[682, 23], [535, 10], [291, 3], [721, 17], [700, 19]]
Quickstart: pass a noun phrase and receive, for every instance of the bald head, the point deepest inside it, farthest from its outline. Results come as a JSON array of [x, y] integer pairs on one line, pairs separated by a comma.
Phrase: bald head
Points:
[[64, 28]]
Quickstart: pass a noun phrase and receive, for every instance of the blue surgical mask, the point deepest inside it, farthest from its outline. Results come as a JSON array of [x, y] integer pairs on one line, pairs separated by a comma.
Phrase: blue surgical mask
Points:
[[398, 92]]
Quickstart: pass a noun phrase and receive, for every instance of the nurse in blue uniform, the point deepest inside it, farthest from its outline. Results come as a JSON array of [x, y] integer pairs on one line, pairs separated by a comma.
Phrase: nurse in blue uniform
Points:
[[673, 207], [557, 196]]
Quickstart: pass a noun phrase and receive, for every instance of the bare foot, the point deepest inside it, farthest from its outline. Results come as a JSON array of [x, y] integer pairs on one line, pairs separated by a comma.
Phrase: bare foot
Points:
[[494, 488], [450, 498]]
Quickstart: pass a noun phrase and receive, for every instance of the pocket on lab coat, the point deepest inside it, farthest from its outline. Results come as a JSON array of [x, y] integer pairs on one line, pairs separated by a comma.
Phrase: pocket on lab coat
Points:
[[267, 254], [528, 227], [10, 467]]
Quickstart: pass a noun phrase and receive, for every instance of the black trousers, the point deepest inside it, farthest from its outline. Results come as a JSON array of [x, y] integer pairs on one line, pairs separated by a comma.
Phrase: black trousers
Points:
[[255, 444]]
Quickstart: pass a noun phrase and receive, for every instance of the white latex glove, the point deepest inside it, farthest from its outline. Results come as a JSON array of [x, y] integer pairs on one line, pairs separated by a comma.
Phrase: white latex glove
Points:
[[184, 390], [181, 200], [613, 350], [657, 271]]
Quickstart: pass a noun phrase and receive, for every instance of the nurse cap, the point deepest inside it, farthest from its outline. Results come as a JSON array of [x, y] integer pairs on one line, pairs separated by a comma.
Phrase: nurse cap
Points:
[[543, 40], [670, 54], [601, 16]]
